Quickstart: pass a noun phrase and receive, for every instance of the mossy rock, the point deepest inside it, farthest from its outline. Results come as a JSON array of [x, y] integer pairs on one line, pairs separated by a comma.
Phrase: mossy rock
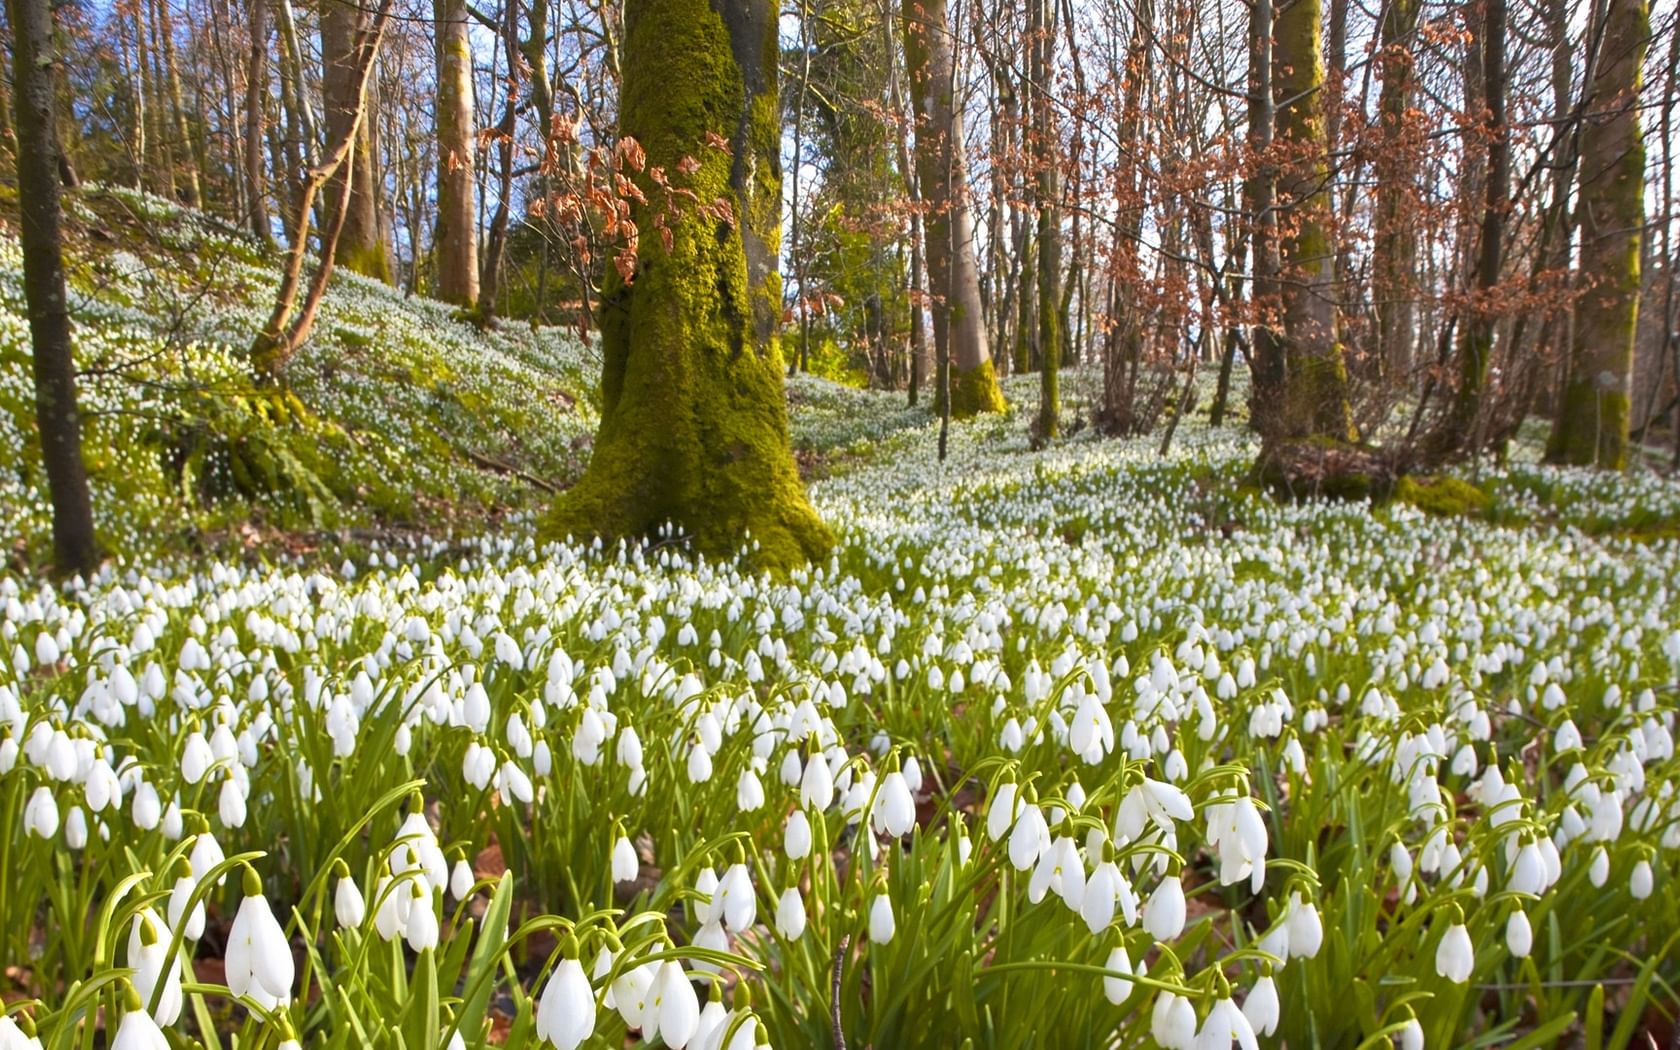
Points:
[[1443, 496]]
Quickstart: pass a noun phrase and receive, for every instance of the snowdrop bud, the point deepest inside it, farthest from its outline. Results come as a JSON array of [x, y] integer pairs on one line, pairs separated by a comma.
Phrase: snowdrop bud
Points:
[[625, 865], [679, 1007], [1164, 913], [1261, 1007], [796, 837], [1455, 957], [1117, 989], [348, 906], [1639, 883], [461, 879], [1000, 816], [1411, 1036], [1519, 935], [1599, 871], [882, 925], [421, 929], [790, 914], [40, 816]]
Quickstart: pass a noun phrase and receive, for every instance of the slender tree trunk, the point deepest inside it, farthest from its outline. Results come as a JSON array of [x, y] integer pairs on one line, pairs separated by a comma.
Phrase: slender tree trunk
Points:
[[457, 220], [256, 110], [954, 278], [1124, 346], [495, 246], [921, 355], [181, 144], [1394, 241], [1260, 208], [56, 414], [1048, 150], [1592, 426], [1476, 346], [1316, 397]]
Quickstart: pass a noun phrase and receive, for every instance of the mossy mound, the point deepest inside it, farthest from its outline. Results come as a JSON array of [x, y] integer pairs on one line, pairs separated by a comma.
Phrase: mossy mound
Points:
[[1324, 467], [1443, 496]]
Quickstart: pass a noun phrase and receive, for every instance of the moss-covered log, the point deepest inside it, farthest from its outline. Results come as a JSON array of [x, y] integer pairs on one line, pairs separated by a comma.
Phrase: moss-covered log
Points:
[[694, 424], [1592, 423]]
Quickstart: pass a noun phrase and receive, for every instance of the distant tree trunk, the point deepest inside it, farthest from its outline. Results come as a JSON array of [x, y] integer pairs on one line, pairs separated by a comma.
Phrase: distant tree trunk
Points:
[[1048, 148], [921, 356], [181, 144], [1592, 424], [457, 222], [1315, 387], [256, 110], [694, 419], [289, 323], [361, 245], [1260, 207], [1124, 346], [1394, 240], [495, 246], [959, 320], [1476, 345], [56, 415]]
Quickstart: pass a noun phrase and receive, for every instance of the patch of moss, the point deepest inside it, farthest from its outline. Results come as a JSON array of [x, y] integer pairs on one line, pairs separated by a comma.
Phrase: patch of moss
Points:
[[1443, 496], [976, 391]]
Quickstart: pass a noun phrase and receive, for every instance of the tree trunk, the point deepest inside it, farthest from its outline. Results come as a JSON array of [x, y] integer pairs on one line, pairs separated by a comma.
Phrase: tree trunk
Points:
[[1394, 240], [1476, 347], [457, 222], [1048, 148], [1260, 208], [256, 109], [693, 420], [361, 245], [1124, 347], [56, 415], [495, 246], [959, 321], [1592, 424], [181, 144], [1315, 388]]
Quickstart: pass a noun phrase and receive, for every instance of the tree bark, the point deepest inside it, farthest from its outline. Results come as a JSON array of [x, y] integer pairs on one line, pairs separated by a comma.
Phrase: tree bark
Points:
[[694, 420], [256, 111], [1048, 149], [1315, 390], [1260, 208], [495, 246], [1592, 424], [456, 243], [1394, 240], [181, 144], [959, 321], [361, 246], [41, 236]]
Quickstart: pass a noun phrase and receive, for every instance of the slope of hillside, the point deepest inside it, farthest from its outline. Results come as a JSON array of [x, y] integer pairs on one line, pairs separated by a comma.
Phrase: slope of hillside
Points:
[[402, 413]]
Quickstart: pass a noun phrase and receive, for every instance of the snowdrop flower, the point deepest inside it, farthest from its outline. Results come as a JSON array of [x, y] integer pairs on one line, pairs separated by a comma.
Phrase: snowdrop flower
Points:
[[1117, 989], [14, 1036], [1172, 1022], [139, 1032], [149, 955], [1411, 1036], [749, 791], [259, 958], [1599, 871], [566, 1011], [882, 925], [461, 879], [796, 837], [1519, 935], [1164, 912], [1455, 957], [895, 809], [1224, 1025], [735, 900], [790, 914], [421, 928], [1030, 837], [1639, 883], [40, 816], [348, 906], [625, 865], [816, 787], [196, 757], [678, 1006], [191, 924], [1262, 1007], [631, 995], [1001, 814], [1306, 929]]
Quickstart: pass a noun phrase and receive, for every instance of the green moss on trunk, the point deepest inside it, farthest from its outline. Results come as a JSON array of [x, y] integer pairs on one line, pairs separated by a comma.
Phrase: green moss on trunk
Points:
[[694, 423]]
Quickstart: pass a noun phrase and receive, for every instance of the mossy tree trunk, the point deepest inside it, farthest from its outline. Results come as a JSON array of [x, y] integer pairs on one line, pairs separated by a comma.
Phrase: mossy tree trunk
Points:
[[1592, 423], [457, 223], [694, 423], [1260, 208], [361, 244], [41, 237], [1315, 401], [959, 320]]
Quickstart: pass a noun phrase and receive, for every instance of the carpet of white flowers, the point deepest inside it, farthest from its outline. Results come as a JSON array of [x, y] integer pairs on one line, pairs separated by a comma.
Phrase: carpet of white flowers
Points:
[[411, 407], [1081, 748]]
